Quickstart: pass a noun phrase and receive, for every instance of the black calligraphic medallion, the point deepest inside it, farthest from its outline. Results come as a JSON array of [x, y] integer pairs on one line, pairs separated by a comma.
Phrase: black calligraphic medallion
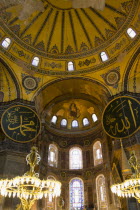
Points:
[[121, 117], [20, 123]]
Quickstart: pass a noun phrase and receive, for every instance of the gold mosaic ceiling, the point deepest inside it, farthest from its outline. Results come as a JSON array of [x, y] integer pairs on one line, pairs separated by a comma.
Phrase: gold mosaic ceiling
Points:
[[63, 31]]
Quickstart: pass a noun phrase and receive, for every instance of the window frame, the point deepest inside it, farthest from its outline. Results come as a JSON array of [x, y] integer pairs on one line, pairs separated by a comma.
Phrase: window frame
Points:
[[72, 64], [53, 148], [81, 193], [5, 41], [132, 31], [71, 167], [97, 146], [101, 56], [35, 60]]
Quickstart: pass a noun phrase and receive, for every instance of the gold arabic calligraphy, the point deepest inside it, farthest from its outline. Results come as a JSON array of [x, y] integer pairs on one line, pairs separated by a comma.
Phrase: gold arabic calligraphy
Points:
[[122, 117], [23, 127]]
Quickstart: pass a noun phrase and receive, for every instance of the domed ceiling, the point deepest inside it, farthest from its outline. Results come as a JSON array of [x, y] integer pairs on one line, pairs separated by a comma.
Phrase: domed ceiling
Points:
[[61, 31]]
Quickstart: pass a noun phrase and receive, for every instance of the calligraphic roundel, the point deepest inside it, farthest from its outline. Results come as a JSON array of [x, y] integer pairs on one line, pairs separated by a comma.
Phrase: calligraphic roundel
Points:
[[20, 123], [121, 117]]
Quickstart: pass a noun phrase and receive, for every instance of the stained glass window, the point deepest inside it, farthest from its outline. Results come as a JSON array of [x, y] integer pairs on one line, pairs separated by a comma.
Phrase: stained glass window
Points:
[[101, 192], [97, 153], [53, 155], [6, 42], [76, 194], [76, 160]]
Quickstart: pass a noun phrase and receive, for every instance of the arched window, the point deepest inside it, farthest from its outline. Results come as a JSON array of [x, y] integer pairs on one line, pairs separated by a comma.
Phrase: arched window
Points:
[[101, 192], [63, 122], [53, 155], [131, 33], [104, 56], [76, 190], [75, 158], [54, 119], [6, 42], [85, 122], [97, 153], [35, 61], [70, 66], [94, 117], [74, 124]]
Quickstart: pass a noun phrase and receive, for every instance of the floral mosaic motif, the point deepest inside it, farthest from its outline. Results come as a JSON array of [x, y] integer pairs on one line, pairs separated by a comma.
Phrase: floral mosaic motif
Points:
[[109, 33], [87, 62], [119, 21], [15, 29], [5, 15], [28, 39], [30, 83], [40, 46], [112, 77], [21, 53], [69, 50], [84, 47], [127, 6], [118, 45], [98, 41], [53, 65], [54, 50]]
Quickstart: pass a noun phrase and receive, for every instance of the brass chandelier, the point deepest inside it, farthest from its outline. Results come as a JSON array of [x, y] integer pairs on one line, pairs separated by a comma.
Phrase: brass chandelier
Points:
[[130, 187], [29, 188]]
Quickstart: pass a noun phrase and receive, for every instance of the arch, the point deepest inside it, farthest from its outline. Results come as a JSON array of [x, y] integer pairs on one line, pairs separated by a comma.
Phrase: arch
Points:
[[130, 65], [97, 153], [53, 155], [101, 192], [55, 81], [12, 76], [75, 158], [76, 193]]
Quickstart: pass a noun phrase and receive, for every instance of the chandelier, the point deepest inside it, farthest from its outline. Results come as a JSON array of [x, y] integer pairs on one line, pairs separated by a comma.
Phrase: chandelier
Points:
[[29, 188], [130, 187]]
